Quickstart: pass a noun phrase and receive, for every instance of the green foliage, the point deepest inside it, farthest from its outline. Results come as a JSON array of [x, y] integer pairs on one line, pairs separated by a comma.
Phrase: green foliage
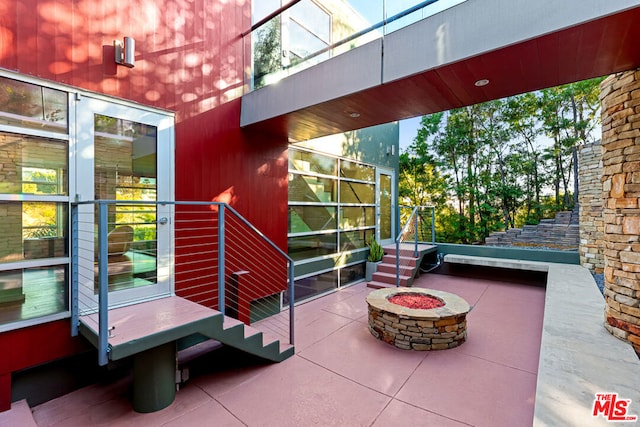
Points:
[[375, 250], [500, 164]]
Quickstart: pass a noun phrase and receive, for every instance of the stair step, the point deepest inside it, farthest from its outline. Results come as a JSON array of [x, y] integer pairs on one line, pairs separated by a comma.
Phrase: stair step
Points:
[[391, 269], [404, 260], [390, 278], [379, 285]]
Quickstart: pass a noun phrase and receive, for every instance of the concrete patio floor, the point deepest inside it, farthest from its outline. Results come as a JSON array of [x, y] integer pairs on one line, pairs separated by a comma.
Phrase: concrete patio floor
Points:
[[341, 375]]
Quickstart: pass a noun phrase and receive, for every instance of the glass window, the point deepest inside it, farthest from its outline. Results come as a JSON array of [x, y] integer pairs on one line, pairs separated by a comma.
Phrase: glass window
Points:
[[355, 192], [312, 218], [30, 165], [357, 171], [33, 230], [350, 240], [357, 216], [32, 292], [351, 274], [312, 189], [32, 106], [305, 161], [315, 20], [312, 246]]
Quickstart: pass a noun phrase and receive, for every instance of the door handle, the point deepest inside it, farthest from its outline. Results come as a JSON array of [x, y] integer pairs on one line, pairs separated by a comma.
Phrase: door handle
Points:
[[164, 220]]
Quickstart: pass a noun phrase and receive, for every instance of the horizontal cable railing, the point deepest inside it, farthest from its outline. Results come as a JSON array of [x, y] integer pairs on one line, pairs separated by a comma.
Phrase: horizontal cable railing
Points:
[[282, 42], [419, 227], [206, 252]]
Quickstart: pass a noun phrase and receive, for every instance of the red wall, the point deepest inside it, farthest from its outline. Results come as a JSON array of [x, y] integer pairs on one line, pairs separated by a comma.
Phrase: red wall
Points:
[[188, 60]]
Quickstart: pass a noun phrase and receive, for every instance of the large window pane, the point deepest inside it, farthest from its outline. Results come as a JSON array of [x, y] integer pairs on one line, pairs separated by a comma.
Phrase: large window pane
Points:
[[354, 192], [316, 285], [312, 218], [126, 169], [304, 161], [357, 216], [315, 20], [32, 106], [30, 165], [312, 246], [311, 189], [33, 292], [33, 230], [350, 240], [357, 171]]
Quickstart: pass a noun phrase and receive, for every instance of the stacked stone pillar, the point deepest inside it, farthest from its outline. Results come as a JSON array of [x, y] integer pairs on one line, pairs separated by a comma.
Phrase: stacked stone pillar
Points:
[[620, 98], [590, 201]]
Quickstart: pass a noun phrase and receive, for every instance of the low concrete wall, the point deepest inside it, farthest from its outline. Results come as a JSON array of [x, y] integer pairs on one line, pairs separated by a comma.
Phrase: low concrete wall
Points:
[[562, 257]]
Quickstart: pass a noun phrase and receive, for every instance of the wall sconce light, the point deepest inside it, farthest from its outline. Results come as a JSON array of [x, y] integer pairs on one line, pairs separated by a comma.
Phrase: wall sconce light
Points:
[[125, 52], [391, 150]]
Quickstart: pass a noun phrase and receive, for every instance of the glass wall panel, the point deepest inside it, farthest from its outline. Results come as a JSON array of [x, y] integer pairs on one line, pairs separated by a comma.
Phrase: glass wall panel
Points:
[[312, 246], [357, 216], [30, 165], [312, 218], [385, 191], [351, 274], [33, 230], [313, 189], [357, 171], [350, 240], [355, 192], [32, 106], [32, 292], [312, 286], [305, 161]]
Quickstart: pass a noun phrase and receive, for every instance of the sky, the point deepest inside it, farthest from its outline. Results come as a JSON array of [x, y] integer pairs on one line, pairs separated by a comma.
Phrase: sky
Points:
[[408, 131]]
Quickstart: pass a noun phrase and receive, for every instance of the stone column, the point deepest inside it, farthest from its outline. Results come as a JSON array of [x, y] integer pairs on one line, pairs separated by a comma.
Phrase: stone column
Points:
[[590, 201], [620, 98]]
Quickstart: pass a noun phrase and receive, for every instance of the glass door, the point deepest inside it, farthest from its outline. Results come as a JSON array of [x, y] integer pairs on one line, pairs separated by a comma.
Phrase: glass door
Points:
[[125, 154], [384, 205]]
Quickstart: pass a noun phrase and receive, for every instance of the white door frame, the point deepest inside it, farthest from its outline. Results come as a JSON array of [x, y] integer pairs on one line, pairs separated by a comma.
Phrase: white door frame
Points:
[[82, 155]]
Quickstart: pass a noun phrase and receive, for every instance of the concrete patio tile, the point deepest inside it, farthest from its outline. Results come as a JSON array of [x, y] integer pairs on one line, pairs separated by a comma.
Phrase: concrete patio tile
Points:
[[115, 410], [472, 390], [469, 289], [353, 308], [204, 415], [356, 354], [504, 341], [402, 414], [300, 393], [322, 326]]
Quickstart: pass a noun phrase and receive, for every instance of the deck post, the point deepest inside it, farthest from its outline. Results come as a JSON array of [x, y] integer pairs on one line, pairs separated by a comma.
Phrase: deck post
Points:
[[154, 385]]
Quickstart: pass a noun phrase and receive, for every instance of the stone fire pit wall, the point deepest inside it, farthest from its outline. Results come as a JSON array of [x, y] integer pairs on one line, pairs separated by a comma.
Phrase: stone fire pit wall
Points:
[[410, 329], [620, 98]]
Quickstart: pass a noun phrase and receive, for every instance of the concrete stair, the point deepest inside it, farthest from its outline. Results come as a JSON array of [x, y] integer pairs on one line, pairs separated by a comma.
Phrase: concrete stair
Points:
[[385, 276]]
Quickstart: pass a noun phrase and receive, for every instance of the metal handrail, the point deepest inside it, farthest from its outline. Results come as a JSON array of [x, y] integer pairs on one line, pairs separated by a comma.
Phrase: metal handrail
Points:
[[102, 248], [413, 220]]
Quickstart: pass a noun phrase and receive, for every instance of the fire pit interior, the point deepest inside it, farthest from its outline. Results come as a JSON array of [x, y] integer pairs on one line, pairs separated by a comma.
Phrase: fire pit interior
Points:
[[418, 319]]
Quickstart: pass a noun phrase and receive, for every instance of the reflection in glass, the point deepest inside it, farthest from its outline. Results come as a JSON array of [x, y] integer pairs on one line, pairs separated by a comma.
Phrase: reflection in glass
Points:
[[311, 218], [32, 106], [357, 216], [357, 171], [355, 192], [385, 206], [305, 161], [33, 230], [32, 165], [312, 246], [357, 239], [32, 292], [312, 189], [125, 169]]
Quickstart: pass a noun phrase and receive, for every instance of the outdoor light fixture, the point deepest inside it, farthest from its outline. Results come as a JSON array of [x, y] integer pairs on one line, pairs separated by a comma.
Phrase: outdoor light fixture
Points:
[[391, 151], [354, 114], [125, 52], [482, 82]]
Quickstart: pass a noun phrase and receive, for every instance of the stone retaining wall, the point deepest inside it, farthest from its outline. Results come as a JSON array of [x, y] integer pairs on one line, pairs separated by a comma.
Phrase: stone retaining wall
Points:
[[591, 247], [620, 98]]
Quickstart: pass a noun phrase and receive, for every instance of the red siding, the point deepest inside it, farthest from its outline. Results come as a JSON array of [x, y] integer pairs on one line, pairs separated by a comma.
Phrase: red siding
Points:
[[188, 60]]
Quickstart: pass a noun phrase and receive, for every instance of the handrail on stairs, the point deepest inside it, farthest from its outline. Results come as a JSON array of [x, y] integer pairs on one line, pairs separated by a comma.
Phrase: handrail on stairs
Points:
[[224, 251], [411, 231]]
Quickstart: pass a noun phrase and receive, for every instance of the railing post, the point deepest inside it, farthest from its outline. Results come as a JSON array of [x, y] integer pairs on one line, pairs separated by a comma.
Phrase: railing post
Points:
[[398, 262], [74, 270], [433, 225], [221, 266], [415, 250], [103, 285], [291, 303]]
